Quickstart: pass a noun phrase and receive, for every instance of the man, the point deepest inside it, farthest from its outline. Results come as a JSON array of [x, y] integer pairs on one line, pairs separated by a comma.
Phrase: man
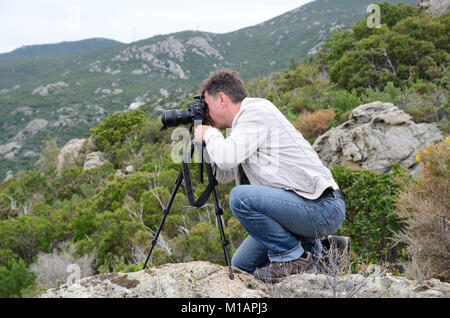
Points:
[[290, 200]]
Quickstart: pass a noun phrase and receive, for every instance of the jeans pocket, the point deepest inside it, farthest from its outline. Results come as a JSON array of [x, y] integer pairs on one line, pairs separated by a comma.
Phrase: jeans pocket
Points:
[[332, 219]]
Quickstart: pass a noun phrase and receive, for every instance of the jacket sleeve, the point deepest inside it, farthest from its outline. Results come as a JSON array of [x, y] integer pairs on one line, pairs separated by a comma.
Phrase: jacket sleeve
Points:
[[249, 133], [223, 176]]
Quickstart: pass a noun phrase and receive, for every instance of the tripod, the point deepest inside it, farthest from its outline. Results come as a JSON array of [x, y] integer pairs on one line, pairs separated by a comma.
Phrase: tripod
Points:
[[212, 182]]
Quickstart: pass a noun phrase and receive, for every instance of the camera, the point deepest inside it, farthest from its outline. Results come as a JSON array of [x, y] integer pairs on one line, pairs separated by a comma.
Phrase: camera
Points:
[[197, 110]]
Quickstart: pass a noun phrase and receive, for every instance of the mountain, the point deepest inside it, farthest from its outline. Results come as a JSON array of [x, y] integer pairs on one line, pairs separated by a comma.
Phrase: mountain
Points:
[[57, 49], [62, 90]]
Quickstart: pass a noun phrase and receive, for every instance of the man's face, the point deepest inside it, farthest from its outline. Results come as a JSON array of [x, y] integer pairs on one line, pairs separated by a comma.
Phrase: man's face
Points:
[[215, 110]]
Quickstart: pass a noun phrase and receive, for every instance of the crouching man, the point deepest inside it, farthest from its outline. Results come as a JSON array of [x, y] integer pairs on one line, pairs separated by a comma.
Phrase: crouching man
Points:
[[285, 198]]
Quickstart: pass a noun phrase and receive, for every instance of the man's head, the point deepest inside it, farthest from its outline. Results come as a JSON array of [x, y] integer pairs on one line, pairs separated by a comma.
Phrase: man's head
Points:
[[223, 91]]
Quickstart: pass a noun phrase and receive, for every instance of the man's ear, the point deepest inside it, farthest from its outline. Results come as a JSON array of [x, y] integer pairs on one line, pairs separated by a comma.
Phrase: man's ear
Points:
[[223, 98]]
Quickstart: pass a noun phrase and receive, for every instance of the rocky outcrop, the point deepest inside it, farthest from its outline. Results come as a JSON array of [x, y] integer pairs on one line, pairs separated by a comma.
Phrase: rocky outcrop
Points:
[[50, 88], [9, 175], [32, 128], [12, 146], [93, 160], [434, 7], [376, 135], [205, 280], [68, 154]]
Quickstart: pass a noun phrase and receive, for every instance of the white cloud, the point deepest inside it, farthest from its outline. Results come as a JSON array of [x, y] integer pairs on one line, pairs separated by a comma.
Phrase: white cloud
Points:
[[27, 22]]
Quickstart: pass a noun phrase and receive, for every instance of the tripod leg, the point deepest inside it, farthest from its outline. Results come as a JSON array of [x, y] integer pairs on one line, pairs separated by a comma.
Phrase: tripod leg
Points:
[[219, 213], [166, 213]]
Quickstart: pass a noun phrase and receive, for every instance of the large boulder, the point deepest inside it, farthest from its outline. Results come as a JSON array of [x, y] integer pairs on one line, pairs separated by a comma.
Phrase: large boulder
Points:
[[376, 135], [434, 7], [69, 153], [93, 160], [205, 280]]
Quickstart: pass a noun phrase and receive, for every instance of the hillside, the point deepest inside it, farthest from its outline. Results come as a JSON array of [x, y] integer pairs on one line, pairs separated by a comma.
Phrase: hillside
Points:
[[383, 132], [56, 49], [62, 90]]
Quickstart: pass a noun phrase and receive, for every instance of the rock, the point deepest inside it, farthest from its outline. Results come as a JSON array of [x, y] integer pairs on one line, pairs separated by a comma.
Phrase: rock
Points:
[[129, 169], [12, 146], [203, 48], [377, 135], [29, 154], [195, 279], [205, 280], [11, 156], [135, 105], [9, 175], [93, 160], [50, 88], [434, 7], [31, 129], [27, 111], [10, 150], [68, 154]]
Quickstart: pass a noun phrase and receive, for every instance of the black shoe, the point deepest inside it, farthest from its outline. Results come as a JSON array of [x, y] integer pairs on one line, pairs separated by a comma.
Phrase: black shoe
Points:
[[277, 271], [340, 243]]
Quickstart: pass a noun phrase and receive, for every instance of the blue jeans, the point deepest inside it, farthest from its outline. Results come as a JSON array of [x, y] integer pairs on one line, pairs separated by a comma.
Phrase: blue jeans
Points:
[[281, 224]]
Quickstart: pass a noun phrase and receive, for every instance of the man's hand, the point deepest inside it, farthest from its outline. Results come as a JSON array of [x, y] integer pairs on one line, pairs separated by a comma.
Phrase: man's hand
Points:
[[200, 132]]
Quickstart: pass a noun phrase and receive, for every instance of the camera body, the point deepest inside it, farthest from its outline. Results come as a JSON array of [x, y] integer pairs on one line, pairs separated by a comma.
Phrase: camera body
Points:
[[197, 111]]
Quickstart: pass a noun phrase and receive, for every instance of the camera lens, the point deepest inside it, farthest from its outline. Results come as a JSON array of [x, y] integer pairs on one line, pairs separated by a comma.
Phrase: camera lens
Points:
[[176, 117]]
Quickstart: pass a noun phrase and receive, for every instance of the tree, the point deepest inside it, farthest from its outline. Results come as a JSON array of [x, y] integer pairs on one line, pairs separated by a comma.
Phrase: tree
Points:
[[14, 278], [48, 157], [117, 127]]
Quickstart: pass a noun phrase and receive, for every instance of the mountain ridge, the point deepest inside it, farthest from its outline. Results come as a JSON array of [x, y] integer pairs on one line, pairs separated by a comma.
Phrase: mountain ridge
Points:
[[56, 49]]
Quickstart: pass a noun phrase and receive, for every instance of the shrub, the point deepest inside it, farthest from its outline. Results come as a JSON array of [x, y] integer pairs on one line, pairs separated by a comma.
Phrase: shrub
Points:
[[116, 128], [425, 205], [343, 103], [314, 124], [14, 278], [55, 268], [371, 220], [48, 157]]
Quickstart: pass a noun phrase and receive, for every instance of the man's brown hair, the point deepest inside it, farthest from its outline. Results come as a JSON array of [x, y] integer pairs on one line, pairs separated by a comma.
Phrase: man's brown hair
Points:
[[226, 81]]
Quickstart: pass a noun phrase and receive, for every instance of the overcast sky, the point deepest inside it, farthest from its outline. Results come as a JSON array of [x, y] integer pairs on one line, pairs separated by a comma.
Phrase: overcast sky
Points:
[[27, 22]]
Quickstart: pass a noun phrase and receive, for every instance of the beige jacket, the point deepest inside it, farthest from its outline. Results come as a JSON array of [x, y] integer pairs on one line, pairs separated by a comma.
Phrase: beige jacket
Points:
[[272, 152]]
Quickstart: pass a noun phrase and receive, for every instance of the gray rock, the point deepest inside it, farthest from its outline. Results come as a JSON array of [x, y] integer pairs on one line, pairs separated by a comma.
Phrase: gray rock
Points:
[[12, 146], [9, 175], [45, 90], [68, 154], [94, 160], [377, 135], [129, 169], [31, 129], [434, 7], [204, 280]]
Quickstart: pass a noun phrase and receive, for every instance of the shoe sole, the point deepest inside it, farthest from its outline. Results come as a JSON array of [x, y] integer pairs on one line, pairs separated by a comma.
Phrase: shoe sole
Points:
[[274, 280]]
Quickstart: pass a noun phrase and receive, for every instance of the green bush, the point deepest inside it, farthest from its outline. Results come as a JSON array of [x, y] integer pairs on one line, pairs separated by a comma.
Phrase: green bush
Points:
[[116, 128], [371, 220], [15, 278], [408, 46]]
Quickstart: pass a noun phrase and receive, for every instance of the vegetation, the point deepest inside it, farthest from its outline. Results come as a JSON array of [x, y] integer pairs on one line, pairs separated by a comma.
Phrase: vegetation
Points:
[[371, 217], [404, 62], [424, 204], [104, 76], [109, 214]]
